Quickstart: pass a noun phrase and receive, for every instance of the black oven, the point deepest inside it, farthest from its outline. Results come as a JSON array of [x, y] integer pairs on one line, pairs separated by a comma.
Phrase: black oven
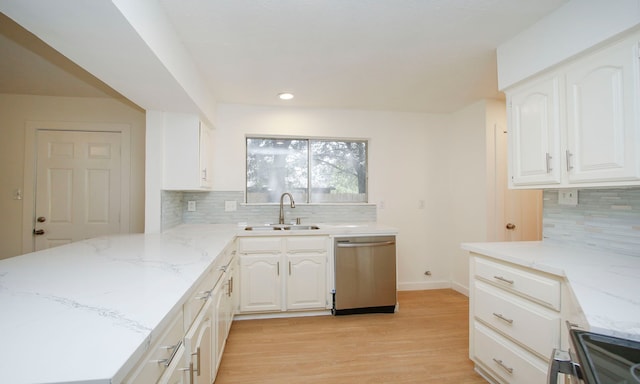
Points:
[[597, 359]]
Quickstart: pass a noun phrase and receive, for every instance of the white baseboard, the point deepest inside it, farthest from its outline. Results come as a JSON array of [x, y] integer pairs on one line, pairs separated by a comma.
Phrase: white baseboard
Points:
[[460, 288], [424, 285], [421, 286]]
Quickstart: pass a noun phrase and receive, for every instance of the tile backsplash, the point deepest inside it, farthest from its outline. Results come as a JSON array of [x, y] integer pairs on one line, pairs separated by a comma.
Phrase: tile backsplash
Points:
[[606, 219], [210, 209]]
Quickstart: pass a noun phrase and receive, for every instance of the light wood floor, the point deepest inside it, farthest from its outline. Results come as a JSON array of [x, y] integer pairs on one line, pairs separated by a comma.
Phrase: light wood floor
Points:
[[425, 342]]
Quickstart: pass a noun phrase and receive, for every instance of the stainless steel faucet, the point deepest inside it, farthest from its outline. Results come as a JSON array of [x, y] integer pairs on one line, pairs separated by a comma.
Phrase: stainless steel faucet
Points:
[[293, 205]]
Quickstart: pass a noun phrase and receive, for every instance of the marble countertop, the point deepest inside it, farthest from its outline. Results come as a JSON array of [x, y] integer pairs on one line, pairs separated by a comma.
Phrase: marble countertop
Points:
[[606, 285], [84, 312]]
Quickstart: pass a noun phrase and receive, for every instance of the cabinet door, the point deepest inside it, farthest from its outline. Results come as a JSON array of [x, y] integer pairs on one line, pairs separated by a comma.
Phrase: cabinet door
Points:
[[306, 283], [602, 124], [260, 283], [187, 153], [534, 132], [198, 343], [219, 294]]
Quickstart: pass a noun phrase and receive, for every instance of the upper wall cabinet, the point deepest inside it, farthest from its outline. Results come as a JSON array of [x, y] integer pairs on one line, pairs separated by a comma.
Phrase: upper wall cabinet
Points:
[[534, 121], [578, 126], [187, 153]]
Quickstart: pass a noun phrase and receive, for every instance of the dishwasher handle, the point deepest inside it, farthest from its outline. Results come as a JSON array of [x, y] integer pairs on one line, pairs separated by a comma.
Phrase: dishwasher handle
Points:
[[357, 245]]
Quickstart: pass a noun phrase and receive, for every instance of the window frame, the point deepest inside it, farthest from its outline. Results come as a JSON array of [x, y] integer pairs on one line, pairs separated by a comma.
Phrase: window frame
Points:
[[308, 139]]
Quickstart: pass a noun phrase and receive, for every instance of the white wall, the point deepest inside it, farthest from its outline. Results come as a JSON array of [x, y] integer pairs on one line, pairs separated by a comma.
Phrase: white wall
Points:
[[15, 110], [407, 164], [472, 182], [571, 29]]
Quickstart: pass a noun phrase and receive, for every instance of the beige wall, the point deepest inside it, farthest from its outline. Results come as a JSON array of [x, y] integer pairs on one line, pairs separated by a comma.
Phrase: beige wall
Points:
[[15, 110]]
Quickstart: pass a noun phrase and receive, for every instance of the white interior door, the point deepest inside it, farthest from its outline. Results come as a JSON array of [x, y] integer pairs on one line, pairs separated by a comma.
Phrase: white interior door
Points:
[[518, 215], [78, 183]]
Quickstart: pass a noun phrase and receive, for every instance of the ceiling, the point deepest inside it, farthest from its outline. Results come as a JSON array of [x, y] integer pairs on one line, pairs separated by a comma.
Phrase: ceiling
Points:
[[402, 55]]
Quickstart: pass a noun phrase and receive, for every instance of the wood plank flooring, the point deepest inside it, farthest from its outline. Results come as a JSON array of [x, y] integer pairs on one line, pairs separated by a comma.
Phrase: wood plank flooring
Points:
[[425, 342]]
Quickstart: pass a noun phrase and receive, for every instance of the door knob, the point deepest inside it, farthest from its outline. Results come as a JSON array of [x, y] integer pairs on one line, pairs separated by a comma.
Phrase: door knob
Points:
[[511, 226], [41, 219], [38, 232]]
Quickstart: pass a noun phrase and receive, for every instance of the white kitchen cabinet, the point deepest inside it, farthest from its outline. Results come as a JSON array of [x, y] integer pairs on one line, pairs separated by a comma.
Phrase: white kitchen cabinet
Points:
[[190, 348], [534, 121], [261, 283], [602, 120], [198, 343], [188, 153], [514, 320], [578, 125], [160, 354], [283, 273]]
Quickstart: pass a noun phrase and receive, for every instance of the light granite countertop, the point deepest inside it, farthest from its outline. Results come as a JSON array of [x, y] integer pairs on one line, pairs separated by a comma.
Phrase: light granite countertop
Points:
[[606, 285], [84, 312]]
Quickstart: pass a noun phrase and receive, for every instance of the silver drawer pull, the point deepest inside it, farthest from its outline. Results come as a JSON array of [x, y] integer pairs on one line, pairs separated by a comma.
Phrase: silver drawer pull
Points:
[[499, 316], [173, 348], [169, 347], [501, 364], [503, 279]]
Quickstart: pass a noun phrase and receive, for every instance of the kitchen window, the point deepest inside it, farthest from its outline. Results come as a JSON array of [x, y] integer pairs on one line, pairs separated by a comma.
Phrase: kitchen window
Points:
[[312, 170]]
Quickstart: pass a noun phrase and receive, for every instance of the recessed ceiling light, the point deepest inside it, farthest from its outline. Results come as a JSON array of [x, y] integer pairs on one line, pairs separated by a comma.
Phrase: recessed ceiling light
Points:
[[285, 96]]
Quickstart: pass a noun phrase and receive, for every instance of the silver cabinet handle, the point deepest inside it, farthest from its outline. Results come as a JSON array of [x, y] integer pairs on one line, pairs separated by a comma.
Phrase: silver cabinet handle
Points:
[[569, 167], [356, 245], [549, 157], [190, 369], [501, 317], [289, 268], [204, 174], [501, 364], [166, 362], [197, 354], [503, 279], [204, 295], [278, 268]]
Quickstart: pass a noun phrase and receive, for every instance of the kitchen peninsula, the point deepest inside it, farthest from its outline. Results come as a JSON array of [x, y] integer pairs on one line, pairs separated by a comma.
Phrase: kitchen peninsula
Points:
[[89, 311]]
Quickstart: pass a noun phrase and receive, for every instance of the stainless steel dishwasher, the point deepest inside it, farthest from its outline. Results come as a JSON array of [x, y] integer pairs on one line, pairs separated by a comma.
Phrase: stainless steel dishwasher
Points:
[[365, 273]]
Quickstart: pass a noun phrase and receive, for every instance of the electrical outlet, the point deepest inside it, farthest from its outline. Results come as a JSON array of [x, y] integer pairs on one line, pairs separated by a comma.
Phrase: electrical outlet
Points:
[[568, 197], [191, 206]]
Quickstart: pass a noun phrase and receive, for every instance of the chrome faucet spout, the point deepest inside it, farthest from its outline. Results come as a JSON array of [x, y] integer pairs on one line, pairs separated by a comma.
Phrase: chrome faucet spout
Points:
[[293, 205]]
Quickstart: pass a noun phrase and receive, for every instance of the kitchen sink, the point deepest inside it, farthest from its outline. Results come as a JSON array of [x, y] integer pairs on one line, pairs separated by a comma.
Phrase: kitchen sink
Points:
[[282, 227]]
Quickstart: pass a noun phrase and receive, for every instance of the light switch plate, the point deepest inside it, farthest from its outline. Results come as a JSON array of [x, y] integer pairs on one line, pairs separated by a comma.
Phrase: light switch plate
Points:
[[568, 197]]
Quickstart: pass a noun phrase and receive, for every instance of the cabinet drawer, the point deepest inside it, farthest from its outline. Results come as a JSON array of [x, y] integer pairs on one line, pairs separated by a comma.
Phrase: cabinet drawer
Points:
[[158, 357], [511, 363], [247, 245], [299, 244], [193, 306], [530, 324], [540, 288]]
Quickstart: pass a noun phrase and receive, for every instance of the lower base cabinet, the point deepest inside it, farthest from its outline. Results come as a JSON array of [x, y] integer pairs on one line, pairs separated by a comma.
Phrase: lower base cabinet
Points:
[[514, 320], [189, 351], [283, 273]]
